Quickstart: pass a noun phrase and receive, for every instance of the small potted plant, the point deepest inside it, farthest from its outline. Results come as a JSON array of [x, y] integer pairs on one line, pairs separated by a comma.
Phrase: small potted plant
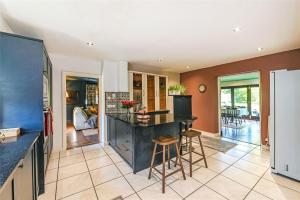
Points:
[[177, 90], [128, 104]]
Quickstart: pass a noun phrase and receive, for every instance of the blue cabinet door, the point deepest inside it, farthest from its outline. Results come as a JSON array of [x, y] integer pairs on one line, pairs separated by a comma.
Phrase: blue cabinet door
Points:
[[21, 82]]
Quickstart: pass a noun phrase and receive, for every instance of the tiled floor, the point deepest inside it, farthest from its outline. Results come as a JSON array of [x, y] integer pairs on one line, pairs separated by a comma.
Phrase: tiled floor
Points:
[[97, 172], [250, 133]]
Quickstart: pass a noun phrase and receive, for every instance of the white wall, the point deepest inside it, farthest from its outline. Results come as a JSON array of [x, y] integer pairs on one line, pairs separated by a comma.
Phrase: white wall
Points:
[[4, 27], [66, 64]]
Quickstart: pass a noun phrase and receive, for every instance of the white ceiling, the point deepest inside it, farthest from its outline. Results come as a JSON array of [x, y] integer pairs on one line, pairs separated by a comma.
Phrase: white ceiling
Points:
[[196, 33]]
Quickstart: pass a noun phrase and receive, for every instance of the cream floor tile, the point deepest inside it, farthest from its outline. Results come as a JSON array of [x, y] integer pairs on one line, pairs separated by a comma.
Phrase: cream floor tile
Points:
[[281, 180], [256, 196], [89, 194], [240, 176], [194, 156], [206, 194], [94, 154], [204, 175], [140, 180], [74, 184], [185, 187], [115, 157], [69, 160], [109, 150], [105, 174], [51, 176], [70, 152], [224, 158], [236, 153], [71, 170], [114, 189], [276, 192], [171, 178], [243, 148], [133, 197], [91, 147], [99, 162], [54, 155], [155, 192], [257, 160], [251, 167], [124, 167], [50, 190], [208, 151], [261, 152], [228, 188], [53, 164], [216, 165]]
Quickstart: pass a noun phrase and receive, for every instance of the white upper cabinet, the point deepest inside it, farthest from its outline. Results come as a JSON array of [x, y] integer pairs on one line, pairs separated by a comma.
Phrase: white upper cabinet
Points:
[[115, 76]]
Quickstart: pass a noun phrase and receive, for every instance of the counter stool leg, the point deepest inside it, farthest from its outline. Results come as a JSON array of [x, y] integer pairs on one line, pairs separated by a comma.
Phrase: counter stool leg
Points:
[[203, 154], [169, 157], [191, 157], [180, 151], [152, 160], [180, 162], [164, 169]]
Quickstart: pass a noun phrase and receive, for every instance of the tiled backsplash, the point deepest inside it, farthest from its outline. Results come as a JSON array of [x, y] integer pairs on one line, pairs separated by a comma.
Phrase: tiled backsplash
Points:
[[113, 102]]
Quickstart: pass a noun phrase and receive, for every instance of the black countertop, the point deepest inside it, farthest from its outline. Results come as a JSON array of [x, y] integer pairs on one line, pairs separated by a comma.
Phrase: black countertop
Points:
[[155, 119], [12, 152]]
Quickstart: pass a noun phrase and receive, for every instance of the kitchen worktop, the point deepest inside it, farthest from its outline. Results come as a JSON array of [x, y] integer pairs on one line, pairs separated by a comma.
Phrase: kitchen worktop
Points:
[[155, 119], [11, 153]]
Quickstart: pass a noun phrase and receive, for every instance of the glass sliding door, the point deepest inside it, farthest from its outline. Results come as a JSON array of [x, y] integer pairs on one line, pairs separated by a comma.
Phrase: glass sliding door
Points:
[[240, 97], [226, 98], [255, 109]]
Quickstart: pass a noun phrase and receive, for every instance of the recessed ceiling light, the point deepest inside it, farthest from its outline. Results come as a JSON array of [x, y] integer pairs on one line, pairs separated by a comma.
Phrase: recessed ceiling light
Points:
[[90, 43], [236, 29], [188, 67], [259, 49]]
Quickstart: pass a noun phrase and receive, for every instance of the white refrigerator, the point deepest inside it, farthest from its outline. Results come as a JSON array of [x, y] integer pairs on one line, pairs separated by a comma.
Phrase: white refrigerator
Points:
[[284, 122]]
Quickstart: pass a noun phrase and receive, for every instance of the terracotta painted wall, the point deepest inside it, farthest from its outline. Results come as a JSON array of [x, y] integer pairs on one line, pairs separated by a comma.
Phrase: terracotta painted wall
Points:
[[205, 105]]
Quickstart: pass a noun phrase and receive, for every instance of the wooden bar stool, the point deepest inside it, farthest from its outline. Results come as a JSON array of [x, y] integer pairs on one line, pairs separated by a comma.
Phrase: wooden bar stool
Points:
[[165, 142], [190, 134]]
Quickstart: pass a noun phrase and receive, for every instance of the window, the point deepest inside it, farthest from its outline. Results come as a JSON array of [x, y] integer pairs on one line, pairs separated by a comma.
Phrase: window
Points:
[[240, 97], [226, 98]]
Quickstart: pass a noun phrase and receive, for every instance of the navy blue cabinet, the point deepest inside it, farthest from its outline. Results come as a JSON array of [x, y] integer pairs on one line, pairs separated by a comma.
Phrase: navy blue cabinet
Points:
[[25, 70]]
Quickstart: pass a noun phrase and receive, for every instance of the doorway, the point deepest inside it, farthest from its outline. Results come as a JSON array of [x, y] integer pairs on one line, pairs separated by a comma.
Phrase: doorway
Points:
[[81, 110], [239, 103]]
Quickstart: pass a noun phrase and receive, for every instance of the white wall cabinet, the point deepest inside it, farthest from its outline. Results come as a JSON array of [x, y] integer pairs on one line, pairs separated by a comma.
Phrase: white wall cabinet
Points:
[[149, 90], [115, 76]]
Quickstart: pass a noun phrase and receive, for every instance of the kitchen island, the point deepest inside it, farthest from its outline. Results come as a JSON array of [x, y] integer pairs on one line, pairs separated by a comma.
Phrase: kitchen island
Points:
[[133, 139]]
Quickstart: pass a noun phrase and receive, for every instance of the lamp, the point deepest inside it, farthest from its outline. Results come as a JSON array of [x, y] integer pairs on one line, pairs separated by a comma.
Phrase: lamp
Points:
[[67, 94]]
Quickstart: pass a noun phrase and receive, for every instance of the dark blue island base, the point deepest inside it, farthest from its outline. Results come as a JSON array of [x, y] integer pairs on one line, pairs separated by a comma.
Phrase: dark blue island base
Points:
[[133, 140]]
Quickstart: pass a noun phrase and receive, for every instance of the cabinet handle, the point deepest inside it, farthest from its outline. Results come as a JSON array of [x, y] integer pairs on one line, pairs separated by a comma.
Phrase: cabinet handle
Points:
[[21, 165]]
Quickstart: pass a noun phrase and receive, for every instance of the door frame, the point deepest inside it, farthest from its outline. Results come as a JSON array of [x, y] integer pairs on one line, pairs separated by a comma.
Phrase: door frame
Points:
[[64, 104], [219, 101]]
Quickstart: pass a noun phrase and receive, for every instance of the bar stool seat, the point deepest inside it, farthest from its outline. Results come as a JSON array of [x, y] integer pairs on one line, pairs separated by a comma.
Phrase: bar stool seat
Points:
[[165, 142], [190, 134]]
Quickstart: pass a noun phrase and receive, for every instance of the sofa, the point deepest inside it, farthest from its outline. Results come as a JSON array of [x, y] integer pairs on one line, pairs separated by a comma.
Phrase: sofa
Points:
[[83, 119]]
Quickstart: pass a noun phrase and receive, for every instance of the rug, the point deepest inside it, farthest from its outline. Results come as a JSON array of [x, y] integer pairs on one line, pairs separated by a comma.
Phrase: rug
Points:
[[89, 132], [217, 143]]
